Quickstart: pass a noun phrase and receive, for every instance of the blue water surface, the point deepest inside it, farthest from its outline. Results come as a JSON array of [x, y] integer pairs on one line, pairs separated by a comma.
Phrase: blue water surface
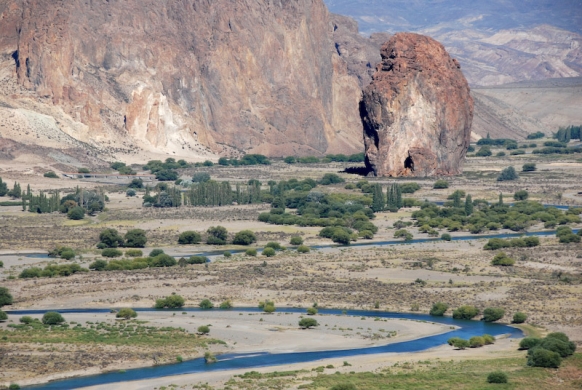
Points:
[[467, 329]]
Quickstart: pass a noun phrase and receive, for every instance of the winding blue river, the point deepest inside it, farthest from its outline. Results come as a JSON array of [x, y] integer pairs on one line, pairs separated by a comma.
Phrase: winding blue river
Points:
[[466, 330]]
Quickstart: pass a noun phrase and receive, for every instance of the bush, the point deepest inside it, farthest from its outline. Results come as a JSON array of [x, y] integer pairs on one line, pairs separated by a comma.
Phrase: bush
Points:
[[217, 235], [502, 259], [296, 240], [492, 314], [189, 237], [497, 377], [344, 386], [5, 297], [133, 253], [172, 302], [465, 312], [197, 260], [488, 339], [204, 329], [508, 174], [500, 154], [269, 252], [519, 318], [111, 252], [564, 348], [409, 188], [485, 151], [529, 343], [251, 252], [3, 316], [543, 358], [14, 386], [200, 177], [226, 305], [521, 195], [98, 265], [156, 252], [476, 342], [136, 183], [67, 254], [439, 309], [244, 237], [163, 260], [529, 167], [404, 234], [110, 238], [51, 175], [340, 236], [311, 311], [26, 320], [126, 313], [135, 238], [130, 192], [330, 178], [76, 213], [166, 175], [52, 318], [446, 237], [459, 343], [303, 249], [206, 304], [440, 184], [307, 323], [269, 307]]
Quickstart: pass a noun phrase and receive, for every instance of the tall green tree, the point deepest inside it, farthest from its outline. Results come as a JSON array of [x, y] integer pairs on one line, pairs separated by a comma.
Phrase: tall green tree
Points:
[[468, 205], [378, 203]]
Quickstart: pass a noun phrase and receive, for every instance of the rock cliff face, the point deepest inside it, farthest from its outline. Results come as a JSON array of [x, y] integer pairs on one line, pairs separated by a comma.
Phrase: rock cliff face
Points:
[[183, 77], [417, 112]]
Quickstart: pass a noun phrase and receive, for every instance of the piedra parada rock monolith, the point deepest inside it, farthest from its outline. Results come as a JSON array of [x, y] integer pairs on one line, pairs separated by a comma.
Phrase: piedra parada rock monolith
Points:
[[417, 112]]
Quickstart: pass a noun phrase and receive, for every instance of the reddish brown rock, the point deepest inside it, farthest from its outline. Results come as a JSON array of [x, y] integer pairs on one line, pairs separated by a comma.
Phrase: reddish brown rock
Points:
[[417, 112], [183, 77]]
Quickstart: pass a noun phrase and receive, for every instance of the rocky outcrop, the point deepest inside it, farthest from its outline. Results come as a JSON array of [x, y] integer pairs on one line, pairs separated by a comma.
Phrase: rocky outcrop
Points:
[[417, 112], [184, 78]]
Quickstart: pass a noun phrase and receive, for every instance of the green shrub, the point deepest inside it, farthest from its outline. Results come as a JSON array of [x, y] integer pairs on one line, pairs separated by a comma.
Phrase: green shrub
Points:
[[1, 264], [488, 339], [163, 260], [307, 323], [172, 302], [458, 343], [543, 358], [135, 238], [519, 318], [130, 192], [502, 259], [529, 167], [133, 253], [226, 305], [492, 314], [251, 252], [203, 329], [484, 151], [3, 316], [465, 312], [476, 341], [330, 178], [296, 240], [51, 175], [110, 238], [217, 235], [98, 265], [189, 237], [275, 245], [67, 254], [26, 320], [404, 234], [200, 177], [311, 311], [440, 184], [564, 348], [244, 237], [269, 306], [446, 237], [14, 386], [529, 343], [156, 252], [303, 249], [521, 195], [439, 309], [344, 386], [500, 154], [52, 318], [5, 297], [497, 377], [409, 188], [126, 313], [111, 252], [76, 213], [269, 252], [206, 304], [508, 174]]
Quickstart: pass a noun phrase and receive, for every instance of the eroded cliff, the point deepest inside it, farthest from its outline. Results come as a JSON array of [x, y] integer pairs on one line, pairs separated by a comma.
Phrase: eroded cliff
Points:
[[188, 78]]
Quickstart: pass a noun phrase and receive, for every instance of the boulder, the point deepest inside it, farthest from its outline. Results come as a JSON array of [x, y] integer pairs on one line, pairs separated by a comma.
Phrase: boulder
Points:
[[417, 112]]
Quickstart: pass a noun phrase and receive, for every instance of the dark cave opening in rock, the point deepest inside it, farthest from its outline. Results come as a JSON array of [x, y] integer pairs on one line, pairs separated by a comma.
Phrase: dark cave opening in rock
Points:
[[409, 163]]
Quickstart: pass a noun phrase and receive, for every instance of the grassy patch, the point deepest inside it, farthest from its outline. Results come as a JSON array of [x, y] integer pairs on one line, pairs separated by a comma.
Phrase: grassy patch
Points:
[[119, 333], [461, 375], [531, 331]]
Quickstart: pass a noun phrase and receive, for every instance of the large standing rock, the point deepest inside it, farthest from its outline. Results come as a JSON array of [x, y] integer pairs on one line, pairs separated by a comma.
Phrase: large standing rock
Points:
[[417, 112]]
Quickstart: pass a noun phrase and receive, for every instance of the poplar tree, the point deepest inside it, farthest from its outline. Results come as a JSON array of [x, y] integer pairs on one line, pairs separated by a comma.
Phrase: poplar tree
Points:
[[378, 199], [468, 205]]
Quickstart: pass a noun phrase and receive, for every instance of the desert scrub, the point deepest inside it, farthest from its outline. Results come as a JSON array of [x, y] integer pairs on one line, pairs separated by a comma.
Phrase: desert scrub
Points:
[[123, 333]]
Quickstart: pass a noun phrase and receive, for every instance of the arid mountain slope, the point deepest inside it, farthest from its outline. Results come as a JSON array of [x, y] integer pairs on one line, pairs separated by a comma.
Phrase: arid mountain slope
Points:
[[186, 78]]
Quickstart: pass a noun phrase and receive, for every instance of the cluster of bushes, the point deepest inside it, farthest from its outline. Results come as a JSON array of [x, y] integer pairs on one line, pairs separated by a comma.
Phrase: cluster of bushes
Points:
[[566, 235], [473, 342], [557, 150], [110, 238], [485, 216], [248, 159], [549, 351], [330, 178], [156, 259], [170, 302], [522, 242], [62, 252], [51, 270], [333, 211], [536, 135], [508, 174], [355, 158], [5, 300], [488, 141], [121, 168], [267, 306], [528, 167]]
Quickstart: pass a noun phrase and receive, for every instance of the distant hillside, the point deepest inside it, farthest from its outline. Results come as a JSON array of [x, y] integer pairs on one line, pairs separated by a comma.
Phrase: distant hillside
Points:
[[496, 42]]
